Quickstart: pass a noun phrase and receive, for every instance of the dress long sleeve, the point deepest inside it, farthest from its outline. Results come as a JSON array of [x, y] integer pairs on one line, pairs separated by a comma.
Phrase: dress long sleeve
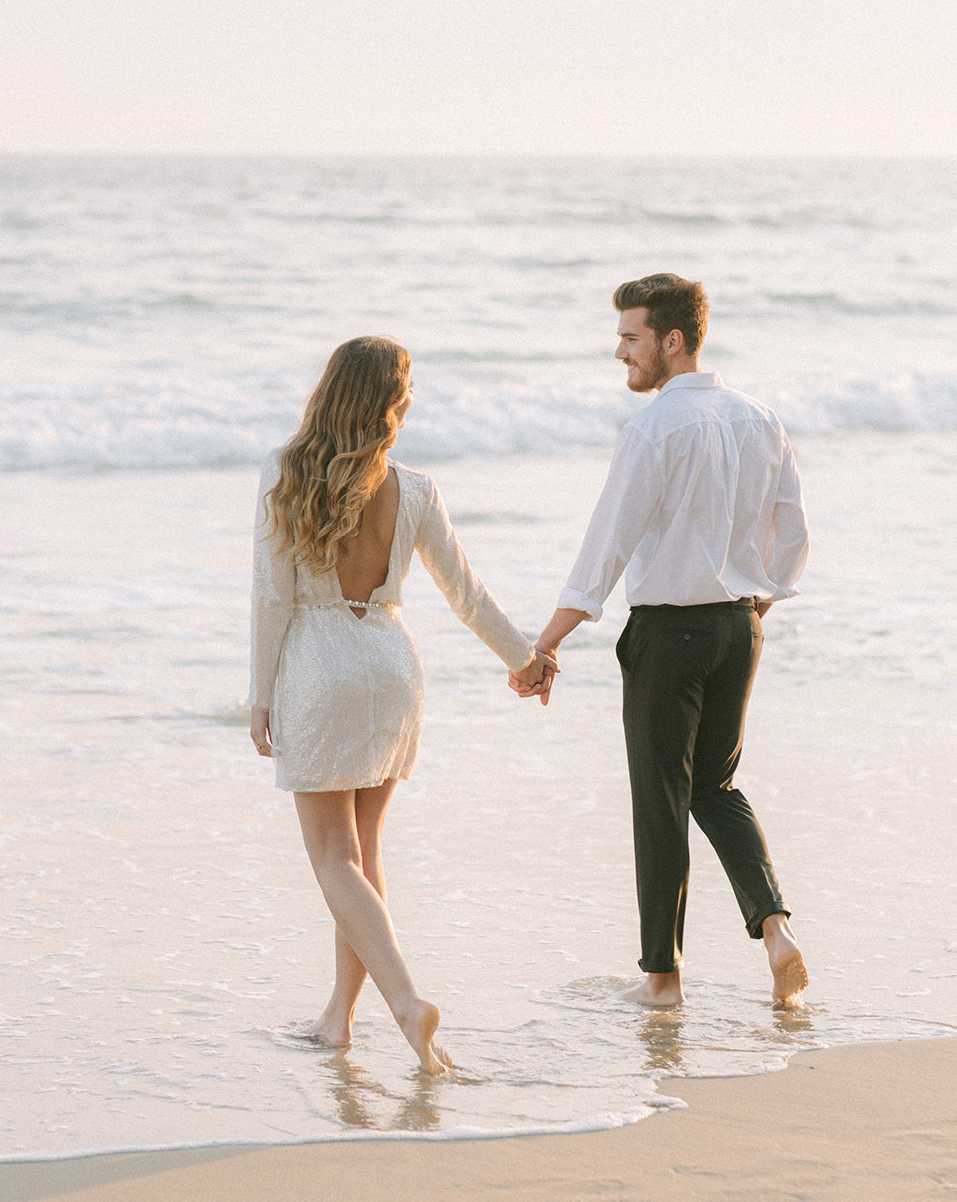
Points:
[[273, 593], [445, 561]]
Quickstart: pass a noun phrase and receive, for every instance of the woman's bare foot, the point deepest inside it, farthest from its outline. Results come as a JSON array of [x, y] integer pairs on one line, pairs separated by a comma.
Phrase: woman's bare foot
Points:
[[787, 963], [657, 989], [442, 1055], [419, 1027], [332, 1033]]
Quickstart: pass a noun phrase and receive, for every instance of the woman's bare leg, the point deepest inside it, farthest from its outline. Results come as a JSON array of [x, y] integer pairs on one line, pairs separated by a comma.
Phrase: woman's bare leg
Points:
[[330, 832], [334, 1026]]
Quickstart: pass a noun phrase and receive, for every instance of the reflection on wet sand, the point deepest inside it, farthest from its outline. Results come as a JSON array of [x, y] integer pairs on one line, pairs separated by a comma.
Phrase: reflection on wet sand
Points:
[[361, 1101], [788, 1023], [660, 1031], [670, 1036]]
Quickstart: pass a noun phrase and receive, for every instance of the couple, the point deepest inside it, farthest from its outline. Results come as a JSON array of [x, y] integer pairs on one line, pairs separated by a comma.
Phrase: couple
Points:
[[701, 510]]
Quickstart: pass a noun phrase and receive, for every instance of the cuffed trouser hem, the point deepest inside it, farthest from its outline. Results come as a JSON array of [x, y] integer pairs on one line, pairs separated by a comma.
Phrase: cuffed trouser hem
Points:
[[648, 966], [754, 924], [687, 673]]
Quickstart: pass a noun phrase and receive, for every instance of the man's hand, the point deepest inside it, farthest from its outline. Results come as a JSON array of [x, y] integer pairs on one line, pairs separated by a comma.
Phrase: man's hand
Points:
[[535, 680], [562, 623], [259, 731], [763, 607]]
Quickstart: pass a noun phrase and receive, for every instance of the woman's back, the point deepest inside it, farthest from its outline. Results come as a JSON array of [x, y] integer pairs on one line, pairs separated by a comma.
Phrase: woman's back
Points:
[[364, 557]]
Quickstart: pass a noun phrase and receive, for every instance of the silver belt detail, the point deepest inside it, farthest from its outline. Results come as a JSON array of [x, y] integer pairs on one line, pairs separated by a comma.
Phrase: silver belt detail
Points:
[[345, 601]]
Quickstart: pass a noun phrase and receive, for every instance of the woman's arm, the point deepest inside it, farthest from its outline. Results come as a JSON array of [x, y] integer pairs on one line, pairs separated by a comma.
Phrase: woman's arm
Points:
[[273, 592], [259, 731], [445, 561]]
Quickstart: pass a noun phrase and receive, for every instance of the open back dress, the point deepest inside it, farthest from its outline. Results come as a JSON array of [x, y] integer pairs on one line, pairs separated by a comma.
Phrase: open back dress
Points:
[[344, 689]]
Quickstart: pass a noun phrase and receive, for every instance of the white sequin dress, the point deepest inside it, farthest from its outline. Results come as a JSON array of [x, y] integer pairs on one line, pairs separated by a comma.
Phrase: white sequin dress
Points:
[[345, 693]]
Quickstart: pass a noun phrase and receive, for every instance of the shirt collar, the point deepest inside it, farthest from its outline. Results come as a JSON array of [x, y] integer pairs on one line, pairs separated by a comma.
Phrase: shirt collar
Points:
[[692, 379]]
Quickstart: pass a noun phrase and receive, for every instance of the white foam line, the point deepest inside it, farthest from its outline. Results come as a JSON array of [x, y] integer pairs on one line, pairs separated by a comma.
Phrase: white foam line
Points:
[[599, 1122]]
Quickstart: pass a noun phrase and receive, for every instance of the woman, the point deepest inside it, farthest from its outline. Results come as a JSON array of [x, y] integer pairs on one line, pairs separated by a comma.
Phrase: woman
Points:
[[336, 691]]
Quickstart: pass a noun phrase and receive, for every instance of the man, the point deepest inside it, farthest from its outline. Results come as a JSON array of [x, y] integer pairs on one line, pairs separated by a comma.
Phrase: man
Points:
[[702, 511]]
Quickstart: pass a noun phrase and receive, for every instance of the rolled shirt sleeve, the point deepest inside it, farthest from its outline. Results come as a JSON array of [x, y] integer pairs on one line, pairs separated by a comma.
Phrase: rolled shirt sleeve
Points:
[[622, 517], [787, 547]]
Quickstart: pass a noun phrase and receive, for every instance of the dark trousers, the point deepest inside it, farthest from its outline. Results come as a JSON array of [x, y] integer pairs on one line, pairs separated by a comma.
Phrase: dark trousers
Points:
[[687, 673]]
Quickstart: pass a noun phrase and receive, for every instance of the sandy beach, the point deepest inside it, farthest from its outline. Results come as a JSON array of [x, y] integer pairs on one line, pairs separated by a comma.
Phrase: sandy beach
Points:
[[854, 1123]]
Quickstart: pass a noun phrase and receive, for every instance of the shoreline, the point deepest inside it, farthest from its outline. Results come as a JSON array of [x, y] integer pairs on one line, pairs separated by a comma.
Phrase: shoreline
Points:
[[835, 1124]]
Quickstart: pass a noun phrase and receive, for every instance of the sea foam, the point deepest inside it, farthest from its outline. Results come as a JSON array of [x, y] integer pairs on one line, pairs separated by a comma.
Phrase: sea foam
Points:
[[232, 422]]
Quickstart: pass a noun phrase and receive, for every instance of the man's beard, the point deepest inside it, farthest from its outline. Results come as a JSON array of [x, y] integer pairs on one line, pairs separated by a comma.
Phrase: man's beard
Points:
[[650, 375]]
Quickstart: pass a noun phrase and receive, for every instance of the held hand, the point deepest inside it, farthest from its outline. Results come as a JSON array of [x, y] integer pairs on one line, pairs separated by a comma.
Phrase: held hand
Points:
[[561, 624], [259, 731], [535, 680]]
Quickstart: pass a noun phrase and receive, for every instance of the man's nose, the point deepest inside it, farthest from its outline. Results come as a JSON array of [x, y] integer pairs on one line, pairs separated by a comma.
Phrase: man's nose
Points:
[[622, 352]]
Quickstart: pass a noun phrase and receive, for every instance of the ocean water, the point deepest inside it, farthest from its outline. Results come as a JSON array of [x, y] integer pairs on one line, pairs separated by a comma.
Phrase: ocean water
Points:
[[172, 312], [162, 938]]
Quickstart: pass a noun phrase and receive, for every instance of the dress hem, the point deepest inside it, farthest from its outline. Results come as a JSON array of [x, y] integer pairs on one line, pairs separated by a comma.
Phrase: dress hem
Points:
[[343, 788]]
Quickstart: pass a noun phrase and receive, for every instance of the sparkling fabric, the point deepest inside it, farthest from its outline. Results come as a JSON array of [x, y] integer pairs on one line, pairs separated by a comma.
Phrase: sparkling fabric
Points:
[[345, 692]]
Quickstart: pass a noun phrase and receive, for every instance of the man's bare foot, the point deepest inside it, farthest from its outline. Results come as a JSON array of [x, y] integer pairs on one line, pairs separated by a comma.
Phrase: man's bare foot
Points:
[[419, 1027], [787, 963], [657, 989]]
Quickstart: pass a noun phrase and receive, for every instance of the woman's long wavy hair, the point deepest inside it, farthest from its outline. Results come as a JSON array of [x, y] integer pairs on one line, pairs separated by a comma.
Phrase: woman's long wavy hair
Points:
[[336, 461]]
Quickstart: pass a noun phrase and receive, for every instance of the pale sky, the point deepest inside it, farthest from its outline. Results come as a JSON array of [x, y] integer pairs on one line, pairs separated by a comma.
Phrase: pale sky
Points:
[[630, 77]]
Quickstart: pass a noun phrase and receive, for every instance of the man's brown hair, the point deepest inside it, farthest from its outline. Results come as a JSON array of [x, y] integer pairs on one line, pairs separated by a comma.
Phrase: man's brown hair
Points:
[[672, 304]]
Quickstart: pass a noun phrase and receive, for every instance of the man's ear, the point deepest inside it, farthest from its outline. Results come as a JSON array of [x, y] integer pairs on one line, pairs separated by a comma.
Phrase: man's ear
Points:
[[674, 342]]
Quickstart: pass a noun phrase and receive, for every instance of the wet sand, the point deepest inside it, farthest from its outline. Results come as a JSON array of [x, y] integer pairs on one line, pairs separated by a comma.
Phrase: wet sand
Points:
[[846, 1124], [165, 934]]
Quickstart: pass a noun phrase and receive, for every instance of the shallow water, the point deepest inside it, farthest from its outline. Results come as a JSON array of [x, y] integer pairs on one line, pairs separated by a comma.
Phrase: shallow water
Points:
[[163, 937]]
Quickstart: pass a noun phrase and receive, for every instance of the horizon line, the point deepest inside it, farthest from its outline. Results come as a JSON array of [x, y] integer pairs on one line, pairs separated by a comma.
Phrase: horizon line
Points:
[[831, 155]]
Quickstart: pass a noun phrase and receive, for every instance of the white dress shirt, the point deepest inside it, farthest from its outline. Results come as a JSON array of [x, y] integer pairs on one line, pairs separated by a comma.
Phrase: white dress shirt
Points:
[[702, 504]]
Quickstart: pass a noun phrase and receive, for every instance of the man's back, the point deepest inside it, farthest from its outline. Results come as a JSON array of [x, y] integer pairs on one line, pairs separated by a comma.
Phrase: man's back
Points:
[[702, 504], [727, 483]]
